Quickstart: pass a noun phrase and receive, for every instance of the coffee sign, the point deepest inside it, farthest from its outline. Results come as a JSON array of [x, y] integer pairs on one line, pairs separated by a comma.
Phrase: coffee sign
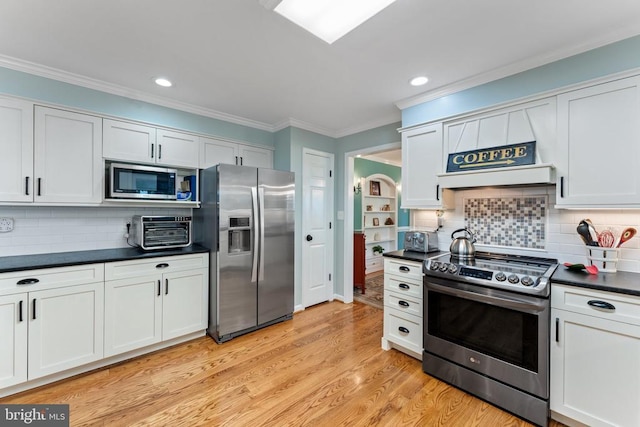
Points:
[[494, 157]]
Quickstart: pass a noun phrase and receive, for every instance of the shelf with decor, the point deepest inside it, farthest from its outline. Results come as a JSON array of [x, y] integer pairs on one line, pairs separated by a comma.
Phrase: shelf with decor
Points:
[[379, 219]]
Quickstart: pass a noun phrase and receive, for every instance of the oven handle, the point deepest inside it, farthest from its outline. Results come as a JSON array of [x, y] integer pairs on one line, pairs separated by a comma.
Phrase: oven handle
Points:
[[515, 304]]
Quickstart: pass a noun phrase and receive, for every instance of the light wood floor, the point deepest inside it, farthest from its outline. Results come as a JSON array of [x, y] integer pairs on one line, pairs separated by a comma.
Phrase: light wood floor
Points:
[[323, 368]]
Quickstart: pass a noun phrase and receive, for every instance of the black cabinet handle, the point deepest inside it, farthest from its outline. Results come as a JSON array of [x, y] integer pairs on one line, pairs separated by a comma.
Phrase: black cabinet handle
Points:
[[557, 330], [403, 329], [159, 287], [33, 307], [438, 192], [159, 151], [20, 311], [166, 286], [152, 150], [404, 269], [403, 286], [561, 186], [39, 186], [601, 304], [26, 185], [403, 303], [236, 160], [162, 265], [241, 161], [29, 281]]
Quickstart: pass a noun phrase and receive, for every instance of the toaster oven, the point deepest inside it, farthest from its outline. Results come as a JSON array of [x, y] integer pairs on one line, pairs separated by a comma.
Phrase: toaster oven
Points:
[[161, 232], [421, 241]]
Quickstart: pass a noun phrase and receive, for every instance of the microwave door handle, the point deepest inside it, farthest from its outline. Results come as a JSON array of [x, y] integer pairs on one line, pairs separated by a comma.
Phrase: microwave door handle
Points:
[[522, 306], [254, 213], [261, 216]]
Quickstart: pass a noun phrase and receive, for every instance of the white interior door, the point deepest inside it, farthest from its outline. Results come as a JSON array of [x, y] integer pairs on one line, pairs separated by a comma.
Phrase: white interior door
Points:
[[317, 227]]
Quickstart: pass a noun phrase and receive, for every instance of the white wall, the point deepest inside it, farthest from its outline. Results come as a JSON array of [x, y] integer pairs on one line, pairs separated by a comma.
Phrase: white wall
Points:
[[563, 242], [40, 230]]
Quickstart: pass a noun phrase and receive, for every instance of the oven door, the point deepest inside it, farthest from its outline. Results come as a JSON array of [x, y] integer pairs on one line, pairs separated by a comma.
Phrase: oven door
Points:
[[500, 334]]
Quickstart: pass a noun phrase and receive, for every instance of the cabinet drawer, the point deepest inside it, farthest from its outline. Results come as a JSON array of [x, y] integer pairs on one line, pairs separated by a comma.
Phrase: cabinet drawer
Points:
[[403, 268], [403, 328], [403, 303], [401, 286], [143, 267], [575, 299], [374, 264], [50, 277]]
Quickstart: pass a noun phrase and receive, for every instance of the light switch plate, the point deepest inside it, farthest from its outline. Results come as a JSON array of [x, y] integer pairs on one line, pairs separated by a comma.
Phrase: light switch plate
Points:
[[6, 225]]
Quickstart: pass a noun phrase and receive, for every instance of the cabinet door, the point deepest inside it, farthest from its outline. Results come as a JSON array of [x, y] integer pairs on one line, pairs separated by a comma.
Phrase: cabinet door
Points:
[[129, 142], [16, 159], [65, 328], [177, 149], [184, 303], [422, 161], [215, 151], [254, 156], [133, 314], [598, 134], [595, 374], [68, 157], [13, 336]]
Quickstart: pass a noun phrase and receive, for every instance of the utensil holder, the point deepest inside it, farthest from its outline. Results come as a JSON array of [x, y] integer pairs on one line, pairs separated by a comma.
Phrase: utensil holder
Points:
[[605, 259]]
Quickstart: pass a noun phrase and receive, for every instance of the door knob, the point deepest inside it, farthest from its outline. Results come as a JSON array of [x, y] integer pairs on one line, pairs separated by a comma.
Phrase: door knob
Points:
[[309, 237]]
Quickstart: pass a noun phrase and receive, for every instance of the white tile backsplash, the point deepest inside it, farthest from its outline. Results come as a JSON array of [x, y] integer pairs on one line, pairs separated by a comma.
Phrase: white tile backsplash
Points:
[[40, 229], [562, 241]]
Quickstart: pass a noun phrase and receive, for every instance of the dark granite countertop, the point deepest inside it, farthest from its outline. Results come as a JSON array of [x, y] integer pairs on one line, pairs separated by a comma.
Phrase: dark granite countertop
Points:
[[621, 282], [411, 255], [64, 259]]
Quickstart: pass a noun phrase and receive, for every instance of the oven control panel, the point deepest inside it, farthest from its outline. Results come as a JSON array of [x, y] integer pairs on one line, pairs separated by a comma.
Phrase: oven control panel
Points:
[[504, 276]]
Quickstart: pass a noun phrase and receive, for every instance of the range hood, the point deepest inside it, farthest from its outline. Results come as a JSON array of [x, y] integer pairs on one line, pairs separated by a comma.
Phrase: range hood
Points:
[[516, 175]]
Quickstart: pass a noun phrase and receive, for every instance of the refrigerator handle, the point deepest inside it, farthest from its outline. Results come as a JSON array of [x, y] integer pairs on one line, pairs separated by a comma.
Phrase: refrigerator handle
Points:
[[255, 213], [261, 214]]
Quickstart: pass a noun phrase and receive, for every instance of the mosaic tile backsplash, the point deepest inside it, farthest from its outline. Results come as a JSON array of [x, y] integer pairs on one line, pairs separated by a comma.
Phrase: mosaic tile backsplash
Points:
[[508, 221]]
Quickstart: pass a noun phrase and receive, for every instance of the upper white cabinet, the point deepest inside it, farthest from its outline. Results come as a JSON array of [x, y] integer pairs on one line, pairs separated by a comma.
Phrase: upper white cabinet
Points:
[[599, 145], [16, 142], [131, 142], [422, 161], [216, 151], [67, 157]]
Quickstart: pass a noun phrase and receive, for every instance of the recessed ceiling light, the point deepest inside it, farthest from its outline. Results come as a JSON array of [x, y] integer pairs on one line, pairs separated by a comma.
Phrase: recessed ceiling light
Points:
[[329, 19], [419, 81], [161, 81]]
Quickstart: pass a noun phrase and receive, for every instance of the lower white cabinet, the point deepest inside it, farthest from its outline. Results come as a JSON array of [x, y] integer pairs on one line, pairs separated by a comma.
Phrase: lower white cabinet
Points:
[[403, 311], [595, 354], [13, 336], [154, 300]]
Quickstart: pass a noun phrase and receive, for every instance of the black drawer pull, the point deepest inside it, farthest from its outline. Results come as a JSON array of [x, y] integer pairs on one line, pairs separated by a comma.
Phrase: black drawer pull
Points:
[[30, 281], [403, 303], [163, 265], [403, 286], [403, 329], [20, 311], [404, 269], [601, 304]]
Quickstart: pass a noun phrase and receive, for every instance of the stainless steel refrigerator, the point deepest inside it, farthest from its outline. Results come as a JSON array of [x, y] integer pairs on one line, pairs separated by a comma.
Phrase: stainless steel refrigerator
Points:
[[246, 218]]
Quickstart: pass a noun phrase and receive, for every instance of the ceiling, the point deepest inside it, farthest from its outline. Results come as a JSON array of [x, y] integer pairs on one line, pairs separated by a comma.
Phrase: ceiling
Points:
[[236, 60]]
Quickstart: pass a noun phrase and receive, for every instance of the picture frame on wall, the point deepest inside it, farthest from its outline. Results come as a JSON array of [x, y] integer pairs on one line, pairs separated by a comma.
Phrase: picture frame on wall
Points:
[[374, 188]]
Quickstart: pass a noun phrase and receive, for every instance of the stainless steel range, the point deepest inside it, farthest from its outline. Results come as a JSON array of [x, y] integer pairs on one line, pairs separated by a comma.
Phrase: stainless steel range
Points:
[[486, 328]]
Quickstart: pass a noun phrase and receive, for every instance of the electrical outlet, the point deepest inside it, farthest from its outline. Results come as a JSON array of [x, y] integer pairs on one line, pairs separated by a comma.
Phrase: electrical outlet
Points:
[[6, 225]]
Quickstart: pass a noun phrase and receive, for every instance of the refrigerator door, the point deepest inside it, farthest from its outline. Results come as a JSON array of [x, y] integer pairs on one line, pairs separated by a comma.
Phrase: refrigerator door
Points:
[[276, 191], [237, 256]]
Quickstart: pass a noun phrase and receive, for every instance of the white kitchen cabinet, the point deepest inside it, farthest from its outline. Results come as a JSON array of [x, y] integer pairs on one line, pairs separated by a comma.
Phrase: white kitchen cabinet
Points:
[[136, 143], [403, 310], [598, 150], [422, 161], [216, 151], [595, 374], [377, 210], [13, 336], [153, 300], [67, 157], [16, 142]]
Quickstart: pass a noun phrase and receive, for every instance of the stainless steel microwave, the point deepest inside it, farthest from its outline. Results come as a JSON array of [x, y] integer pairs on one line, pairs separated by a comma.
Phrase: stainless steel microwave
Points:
[[128, 181]]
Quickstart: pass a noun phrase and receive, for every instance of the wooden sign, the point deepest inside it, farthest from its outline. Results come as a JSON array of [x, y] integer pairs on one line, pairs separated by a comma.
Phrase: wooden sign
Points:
[[493, 157]]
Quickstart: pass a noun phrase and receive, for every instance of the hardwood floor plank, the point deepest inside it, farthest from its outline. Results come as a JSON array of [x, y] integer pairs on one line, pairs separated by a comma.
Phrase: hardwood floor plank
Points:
[[324, 367]]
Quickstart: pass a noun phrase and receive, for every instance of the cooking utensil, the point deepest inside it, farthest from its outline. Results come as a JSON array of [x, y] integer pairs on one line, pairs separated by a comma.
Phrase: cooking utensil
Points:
[[585, 233], [592, 229], [462, 247], [606, 239], [627, 234], [591, 269]]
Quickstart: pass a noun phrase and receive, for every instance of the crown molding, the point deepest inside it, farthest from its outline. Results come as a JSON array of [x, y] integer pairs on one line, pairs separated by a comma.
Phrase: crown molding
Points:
[[300, 124], [99, 85], [396, 117], [516, 67]]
